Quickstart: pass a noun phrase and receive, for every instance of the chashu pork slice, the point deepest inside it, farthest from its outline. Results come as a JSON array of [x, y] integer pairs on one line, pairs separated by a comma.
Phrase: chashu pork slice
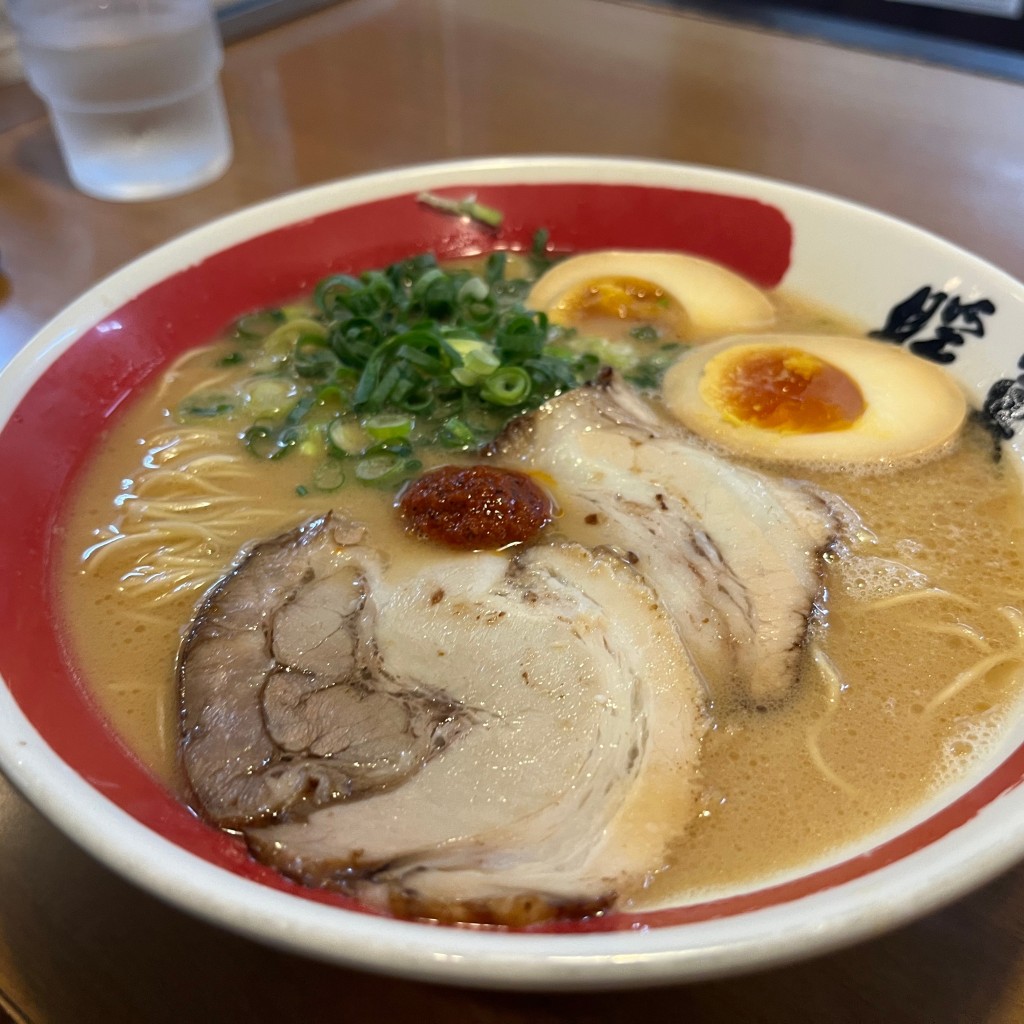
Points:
[[286, 702], [734, 555], [487, 737]]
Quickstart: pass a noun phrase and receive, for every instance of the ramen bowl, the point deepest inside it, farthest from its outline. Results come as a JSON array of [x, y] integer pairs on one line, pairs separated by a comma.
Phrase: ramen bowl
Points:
[[60, 393]]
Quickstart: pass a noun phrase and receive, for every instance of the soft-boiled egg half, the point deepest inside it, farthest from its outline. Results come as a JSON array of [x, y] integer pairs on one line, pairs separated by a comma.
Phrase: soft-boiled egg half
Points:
[[809, 399], [682, 298]]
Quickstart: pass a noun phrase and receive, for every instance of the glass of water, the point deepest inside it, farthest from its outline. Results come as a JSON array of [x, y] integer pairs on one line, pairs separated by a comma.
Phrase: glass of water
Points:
[[133, 89]]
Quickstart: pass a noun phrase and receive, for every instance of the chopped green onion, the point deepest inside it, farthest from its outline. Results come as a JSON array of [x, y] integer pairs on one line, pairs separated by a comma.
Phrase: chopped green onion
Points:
[[494, 267], [649, 371], [480, 316], [400, 446], [332, 291], [644, 332], [523, 334], [269, 397], [332, 395], [432, 365], [475, 289], [289, 334], [463, 346], [302, 490], [619, 354], [257, 325], [280, 344], [299, 410], [261, 441], [540, 256], [312, 358], [353, 340], [385, 469], [347, 437], [482, 361], [468, 208], [394, 359], [418, 402], [479, 360], [456, 434], [206, 405], [329, 475], [507, 386], [388, 426], [287, 438], [267, 443]]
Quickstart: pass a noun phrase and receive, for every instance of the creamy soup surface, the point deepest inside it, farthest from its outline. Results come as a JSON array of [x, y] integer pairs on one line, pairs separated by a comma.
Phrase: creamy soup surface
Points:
[[920, 618]]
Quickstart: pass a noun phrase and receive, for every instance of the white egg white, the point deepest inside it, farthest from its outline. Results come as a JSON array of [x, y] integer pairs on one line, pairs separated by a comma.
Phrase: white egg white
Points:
[[913, 408], [715, 299]]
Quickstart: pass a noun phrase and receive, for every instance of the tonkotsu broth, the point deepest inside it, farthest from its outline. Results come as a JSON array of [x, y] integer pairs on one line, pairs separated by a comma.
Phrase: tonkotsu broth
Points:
[[783, 785]]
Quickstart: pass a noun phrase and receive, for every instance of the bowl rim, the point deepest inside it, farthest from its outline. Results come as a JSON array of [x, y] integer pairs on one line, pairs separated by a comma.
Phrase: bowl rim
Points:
[[821, 921]]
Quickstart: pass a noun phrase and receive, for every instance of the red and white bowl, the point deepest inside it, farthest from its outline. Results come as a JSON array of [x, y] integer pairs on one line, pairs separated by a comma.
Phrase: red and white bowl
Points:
[[60, 392]]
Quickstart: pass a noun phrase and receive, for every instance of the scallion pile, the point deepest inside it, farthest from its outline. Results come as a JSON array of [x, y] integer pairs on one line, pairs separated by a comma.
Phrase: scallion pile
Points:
[[390, 361]]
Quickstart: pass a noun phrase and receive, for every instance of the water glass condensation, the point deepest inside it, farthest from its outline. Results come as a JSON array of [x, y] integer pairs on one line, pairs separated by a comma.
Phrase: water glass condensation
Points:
[[133, 88]]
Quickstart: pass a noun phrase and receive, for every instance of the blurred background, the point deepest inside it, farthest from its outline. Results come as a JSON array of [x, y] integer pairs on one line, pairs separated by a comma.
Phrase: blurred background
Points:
[[979, 35]]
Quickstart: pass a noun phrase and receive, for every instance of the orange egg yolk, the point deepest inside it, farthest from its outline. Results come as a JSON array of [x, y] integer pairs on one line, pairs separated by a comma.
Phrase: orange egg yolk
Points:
[[782, 389], [622, 298]]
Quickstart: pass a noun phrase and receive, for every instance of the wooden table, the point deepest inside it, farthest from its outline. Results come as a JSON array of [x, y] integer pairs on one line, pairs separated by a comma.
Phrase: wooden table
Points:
[[372, 83]]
